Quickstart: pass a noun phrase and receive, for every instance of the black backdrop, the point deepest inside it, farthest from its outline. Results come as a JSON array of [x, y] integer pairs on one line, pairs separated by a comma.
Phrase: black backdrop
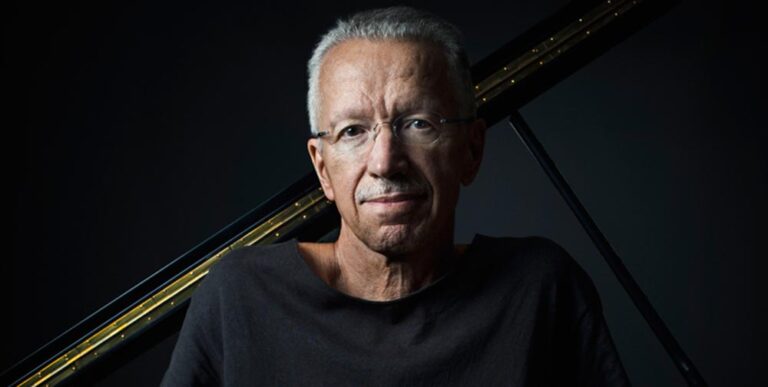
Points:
[[137, 129]]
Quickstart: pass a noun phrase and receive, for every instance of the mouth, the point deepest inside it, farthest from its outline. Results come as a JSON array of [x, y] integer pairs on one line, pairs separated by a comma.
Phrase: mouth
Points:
[[394, 205], [397, 197]]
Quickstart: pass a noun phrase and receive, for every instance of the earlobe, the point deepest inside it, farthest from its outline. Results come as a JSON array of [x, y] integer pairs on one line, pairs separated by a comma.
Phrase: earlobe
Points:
[[315, 154]]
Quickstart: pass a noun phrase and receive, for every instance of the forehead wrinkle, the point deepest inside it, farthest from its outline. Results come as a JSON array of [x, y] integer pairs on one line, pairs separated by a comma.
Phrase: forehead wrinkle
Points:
[[418, 84], [360, 106], [375, 83]]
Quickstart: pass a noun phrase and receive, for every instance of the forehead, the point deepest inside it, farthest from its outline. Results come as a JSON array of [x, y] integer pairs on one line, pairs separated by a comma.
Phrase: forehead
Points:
[[383, 77]]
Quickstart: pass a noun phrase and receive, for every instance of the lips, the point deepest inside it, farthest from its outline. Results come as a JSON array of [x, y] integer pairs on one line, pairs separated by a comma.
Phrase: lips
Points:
[[395, 207], [394, 198]]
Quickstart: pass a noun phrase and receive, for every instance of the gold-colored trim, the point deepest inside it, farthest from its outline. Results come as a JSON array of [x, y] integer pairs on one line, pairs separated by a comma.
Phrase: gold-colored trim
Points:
[[173, 294], [549, 49], [157, 305]]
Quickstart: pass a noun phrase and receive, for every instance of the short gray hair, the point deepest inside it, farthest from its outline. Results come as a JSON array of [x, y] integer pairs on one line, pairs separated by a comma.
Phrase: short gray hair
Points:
[[397, 23]]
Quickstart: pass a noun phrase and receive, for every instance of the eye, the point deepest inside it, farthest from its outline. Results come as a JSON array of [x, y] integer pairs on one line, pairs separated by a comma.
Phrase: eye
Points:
[[350, 132], [417, 124]]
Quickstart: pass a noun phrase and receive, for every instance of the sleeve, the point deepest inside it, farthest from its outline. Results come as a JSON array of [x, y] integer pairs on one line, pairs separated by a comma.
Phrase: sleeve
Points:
[[196, 358], [583, 351], [596, 357], [598, 360]]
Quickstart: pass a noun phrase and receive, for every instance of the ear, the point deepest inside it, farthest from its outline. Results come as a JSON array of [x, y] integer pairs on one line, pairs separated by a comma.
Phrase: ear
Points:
[[314, 147], [475, 145]]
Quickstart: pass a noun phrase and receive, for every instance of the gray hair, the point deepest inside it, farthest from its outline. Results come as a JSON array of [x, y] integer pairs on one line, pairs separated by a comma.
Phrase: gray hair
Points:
[[397, 23]]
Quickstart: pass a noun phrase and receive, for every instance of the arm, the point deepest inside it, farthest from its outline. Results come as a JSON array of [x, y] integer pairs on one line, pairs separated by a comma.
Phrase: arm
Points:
[[196, 358]]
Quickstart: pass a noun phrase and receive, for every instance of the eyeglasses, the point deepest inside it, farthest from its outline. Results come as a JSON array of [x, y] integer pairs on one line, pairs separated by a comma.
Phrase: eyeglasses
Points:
[[423, 128]]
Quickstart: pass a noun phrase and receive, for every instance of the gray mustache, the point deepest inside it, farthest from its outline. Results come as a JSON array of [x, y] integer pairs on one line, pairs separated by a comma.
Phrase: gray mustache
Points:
[[380, 187]]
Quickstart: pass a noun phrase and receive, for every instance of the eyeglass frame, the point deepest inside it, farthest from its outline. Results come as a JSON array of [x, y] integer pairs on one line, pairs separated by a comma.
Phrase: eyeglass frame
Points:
[[395, 129]]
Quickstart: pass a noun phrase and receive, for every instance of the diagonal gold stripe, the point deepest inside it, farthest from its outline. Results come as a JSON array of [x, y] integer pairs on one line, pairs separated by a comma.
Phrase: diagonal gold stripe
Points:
[[549, 49]]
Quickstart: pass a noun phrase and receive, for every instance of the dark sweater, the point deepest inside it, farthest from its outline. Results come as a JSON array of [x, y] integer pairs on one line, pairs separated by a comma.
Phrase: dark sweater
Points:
[[512, 312]]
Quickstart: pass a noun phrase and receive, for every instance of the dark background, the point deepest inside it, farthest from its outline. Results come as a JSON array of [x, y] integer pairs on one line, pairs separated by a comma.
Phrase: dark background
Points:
[[134, 130]]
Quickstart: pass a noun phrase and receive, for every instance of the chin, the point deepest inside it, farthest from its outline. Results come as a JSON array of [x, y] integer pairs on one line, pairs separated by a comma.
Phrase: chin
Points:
[[394, 240]]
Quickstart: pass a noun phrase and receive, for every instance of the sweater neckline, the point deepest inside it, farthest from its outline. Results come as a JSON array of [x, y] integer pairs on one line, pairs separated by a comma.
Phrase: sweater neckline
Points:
[[318, 283]]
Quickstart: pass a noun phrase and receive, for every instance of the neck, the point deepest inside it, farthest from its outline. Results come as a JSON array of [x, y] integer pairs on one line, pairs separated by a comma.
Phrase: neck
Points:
[[374, 276], [352, 268]]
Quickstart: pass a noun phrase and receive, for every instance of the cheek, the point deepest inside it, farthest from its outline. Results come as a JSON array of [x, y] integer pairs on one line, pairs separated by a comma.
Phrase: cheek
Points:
[[343, 180], [444, 177]]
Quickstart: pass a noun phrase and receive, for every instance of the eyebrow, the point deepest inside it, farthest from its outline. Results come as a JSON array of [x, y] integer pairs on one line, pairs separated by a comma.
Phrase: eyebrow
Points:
[[352, 113], [423, 101]]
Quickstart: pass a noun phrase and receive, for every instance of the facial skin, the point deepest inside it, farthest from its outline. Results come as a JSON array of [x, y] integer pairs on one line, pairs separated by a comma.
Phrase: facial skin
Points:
[[379, 80]]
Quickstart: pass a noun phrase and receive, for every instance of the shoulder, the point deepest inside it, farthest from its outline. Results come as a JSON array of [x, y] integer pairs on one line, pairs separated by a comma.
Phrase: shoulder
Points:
[[245, 269], [540, 263], [258, 254], [533, 254], [254, 259]]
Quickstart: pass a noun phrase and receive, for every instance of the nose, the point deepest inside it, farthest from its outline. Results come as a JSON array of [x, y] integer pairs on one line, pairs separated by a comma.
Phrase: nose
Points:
[[387, 156]]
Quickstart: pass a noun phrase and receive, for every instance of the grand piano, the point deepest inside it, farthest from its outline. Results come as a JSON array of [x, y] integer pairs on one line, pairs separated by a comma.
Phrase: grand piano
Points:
[[132, 333]]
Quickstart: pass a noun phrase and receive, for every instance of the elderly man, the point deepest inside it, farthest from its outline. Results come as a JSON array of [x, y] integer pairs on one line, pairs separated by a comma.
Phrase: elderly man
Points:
[[393, 301]]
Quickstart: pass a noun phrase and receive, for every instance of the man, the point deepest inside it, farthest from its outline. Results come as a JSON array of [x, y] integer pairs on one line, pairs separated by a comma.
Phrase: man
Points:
[[393, 301]]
